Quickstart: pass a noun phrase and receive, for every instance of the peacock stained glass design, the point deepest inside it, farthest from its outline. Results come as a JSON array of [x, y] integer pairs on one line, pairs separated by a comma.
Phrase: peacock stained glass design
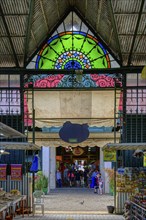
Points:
[[72, 47]]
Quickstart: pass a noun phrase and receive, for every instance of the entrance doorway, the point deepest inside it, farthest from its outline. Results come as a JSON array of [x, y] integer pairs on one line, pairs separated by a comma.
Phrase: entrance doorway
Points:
[[76, 159]]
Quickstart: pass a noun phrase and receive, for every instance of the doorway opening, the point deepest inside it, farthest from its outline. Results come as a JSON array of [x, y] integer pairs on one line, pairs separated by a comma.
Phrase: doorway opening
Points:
[[78, 160]]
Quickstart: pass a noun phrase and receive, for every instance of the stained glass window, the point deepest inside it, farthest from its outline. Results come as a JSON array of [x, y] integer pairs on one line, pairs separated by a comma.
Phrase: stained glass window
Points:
[[73, 47], [72, 50]]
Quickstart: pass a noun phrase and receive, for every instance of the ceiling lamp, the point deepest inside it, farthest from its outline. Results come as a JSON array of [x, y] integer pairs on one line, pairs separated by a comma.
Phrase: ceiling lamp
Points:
[[79, 75], [3, 152]]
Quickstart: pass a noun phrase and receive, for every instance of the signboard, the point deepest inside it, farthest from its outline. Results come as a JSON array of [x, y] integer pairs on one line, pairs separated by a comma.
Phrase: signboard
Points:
[[16, 172], [3, 168], [121, 171], [72, 140], [109, 155], [77, 151], [144, 160]]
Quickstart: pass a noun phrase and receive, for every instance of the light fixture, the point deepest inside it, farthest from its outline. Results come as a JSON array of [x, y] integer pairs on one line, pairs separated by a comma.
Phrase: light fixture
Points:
[[79, 75], [138, 153], [2, 151]]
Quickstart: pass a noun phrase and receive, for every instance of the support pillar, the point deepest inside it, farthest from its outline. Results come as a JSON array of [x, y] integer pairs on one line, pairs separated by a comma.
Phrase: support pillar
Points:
[[49, 165]]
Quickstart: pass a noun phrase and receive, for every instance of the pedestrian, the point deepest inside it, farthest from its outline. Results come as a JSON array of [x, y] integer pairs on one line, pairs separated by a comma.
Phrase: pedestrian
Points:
[[78, 178], [71, 178], [96, 186], [58, 178], [100, 181], [65, 176]]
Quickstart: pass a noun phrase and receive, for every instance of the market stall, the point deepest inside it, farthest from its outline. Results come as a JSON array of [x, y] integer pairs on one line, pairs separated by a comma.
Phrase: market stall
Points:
[[15, 175], [130, 182]]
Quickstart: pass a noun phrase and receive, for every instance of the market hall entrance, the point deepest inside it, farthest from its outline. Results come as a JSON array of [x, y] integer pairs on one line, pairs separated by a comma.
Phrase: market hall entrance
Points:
[[81, 160]]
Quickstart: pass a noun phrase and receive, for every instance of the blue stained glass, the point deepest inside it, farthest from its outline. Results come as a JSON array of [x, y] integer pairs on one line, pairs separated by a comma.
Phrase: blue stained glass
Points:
[[52, 38], [72, 64], [105, 52]]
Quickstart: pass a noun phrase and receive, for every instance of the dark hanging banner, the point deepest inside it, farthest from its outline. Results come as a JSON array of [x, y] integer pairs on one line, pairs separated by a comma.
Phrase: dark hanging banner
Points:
[[16, 172], [3, 175]]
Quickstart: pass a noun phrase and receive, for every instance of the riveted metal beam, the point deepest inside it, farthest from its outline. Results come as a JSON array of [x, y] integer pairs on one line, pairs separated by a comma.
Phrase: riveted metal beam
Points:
[[28, 29], [122, 70]]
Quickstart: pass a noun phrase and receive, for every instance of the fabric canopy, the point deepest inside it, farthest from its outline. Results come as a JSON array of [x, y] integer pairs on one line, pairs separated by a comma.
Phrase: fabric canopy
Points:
[[8, 132], [19, 146], [53, 108], [53, 140], [125, 146]]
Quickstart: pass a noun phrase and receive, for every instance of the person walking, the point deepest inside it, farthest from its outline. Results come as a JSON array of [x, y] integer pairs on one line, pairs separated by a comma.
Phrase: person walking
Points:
[[96, 186], [71, 178], [100, 182], [77, 178], [58, 178]]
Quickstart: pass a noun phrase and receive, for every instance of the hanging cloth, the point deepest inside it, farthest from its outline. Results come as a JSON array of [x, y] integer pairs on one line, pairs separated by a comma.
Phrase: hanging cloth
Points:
[[34, 166]]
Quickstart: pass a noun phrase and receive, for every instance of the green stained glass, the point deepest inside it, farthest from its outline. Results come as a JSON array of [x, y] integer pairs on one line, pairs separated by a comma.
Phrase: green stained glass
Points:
[[72, 50]]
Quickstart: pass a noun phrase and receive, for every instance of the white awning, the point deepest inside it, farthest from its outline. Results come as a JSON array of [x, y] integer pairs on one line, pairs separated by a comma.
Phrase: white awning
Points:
[[53, 139], [8, 132], [19, 146], [125, 146]]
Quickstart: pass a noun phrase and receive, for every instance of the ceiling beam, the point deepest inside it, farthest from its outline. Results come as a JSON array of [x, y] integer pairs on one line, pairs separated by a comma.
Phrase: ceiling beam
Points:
[[135, 33], [21, 14], [110, 8], [44, 16], [127, 69], [86, 3], [9, 37], [124, 13], [58, 13], [28, 29], [99, 14]]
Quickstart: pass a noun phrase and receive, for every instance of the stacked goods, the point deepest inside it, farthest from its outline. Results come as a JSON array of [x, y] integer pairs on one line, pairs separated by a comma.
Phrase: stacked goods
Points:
[[127, 210]]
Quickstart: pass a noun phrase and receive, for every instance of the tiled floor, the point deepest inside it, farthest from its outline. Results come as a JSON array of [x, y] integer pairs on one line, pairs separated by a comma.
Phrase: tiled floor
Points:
[[72, 217], [75, 204]]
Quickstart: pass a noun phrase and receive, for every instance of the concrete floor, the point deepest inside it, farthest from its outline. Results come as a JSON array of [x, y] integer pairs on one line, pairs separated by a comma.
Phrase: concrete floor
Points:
[[75, 204]]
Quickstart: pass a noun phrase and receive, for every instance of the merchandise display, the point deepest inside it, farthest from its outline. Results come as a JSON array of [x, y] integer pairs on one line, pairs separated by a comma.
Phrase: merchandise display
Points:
[[132, 180], [135, 178]]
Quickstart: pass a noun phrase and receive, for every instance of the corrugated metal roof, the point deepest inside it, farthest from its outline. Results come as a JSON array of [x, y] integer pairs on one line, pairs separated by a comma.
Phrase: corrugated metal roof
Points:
[[25, 24]]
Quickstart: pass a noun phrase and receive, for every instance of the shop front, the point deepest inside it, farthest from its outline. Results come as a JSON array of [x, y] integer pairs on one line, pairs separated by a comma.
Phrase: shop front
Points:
[[130, 182], [56, 151]]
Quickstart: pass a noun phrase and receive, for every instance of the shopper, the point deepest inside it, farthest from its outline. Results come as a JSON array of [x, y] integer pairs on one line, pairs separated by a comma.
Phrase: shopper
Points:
[[71, 177], [100, 182], [58, 178]]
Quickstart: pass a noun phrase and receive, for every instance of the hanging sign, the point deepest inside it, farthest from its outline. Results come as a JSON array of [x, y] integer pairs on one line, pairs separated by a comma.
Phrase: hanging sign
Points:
[[16, 172], [77, 151], [109, 155], [121, 171], [144, 160], [74, 133], [3, 168]]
